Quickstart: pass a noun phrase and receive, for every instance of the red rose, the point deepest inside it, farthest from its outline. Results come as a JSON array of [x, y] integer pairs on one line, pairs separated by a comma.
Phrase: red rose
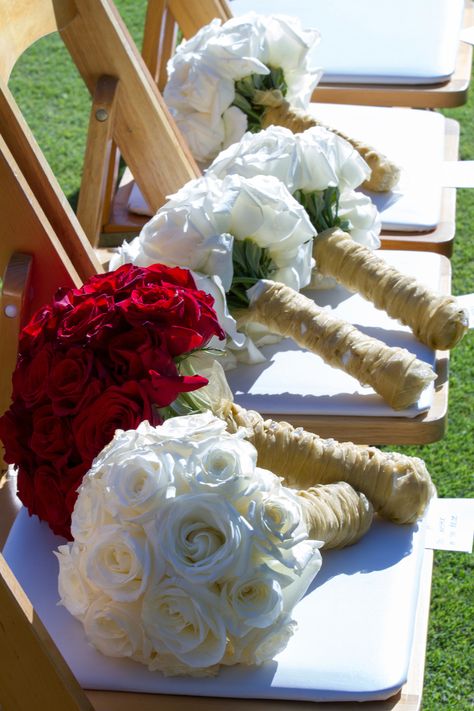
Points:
[[29, 378], [85, 320], [50, 502], [131, 353], [114, 283], [185, 318], [51, 437], [167, 276], [36, 332], [15, 430], [118, 407], [70, 383]]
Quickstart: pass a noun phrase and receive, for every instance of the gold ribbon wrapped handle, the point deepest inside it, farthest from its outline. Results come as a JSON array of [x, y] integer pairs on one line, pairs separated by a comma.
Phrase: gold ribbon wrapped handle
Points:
[[436, 319], [398, 486], [394, 373]]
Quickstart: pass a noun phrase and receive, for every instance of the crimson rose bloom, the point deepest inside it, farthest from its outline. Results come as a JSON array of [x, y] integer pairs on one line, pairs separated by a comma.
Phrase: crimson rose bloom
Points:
[[97, 359]]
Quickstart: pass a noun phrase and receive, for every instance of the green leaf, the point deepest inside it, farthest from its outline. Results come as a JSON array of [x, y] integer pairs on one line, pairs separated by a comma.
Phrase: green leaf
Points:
[[251, 263], [322, 207]]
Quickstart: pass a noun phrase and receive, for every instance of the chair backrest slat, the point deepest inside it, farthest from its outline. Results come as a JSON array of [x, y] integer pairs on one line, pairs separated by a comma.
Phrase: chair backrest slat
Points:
[[23, 22]]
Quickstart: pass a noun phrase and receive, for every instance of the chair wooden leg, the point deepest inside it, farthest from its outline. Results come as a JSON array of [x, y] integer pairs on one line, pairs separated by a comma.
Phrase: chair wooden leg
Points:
[[96, 170], [30, 659]]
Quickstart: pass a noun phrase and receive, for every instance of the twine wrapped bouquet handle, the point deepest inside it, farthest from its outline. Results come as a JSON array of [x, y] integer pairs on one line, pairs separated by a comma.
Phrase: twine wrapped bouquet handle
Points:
[[398, 486], [436, 320], [394, 373]]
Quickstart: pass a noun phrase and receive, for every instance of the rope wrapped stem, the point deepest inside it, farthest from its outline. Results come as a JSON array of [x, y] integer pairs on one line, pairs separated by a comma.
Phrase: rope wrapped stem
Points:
[[436, 320], [398, 486], [384, 174], [335, 514], [394, 373]]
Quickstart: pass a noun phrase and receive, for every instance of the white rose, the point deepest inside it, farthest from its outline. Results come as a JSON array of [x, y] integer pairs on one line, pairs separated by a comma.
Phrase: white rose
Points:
[[261, 208], [138, 483], [251, 601], [260, 646], [235, 49], [203, 537], [226, 467], [115, 629], [315, 144], [278, 525], [204, 136], [311, 160], [75, 593], [184, 619], [184, 236], [235, 125], [122, 441], [191, 86], [287, 45], [118, 562], [268, 152], [89, 512], [364, 218], [191, 428]]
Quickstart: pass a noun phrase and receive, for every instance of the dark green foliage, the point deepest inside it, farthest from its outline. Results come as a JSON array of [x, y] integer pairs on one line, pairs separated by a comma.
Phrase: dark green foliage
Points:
[[245, 94], [322, 207], [251, 263]]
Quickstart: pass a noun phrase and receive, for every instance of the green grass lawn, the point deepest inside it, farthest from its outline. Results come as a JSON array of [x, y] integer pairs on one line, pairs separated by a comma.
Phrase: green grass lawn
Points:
[[56, 105]]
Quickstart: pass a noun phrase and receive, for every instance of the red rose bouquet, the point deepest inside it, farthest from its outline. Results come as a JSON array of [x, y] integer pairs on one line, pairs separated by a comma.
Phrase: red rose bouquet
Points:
[[98, 358]]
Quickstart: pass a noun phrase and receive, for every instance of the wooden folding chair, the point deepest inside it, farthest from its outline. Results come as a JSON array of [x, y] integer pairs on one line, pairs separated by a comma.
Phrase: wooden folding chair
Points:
[[33, 674], [126, 105]]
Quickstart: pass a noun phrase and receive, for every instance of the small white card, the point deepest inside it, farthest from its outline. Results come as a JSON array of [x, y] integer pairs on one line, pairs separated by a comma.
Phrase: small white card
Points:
[[467, 35], [467, 302], [450, 525]]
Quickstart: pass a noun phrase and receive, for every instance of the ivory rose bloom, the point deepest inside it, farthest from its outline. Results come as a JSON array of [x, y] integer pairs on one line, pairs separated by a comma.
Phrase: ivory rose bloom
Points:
[[184, 619], [203, 538], [118, 562], [114, 628], [75, 593], [192, 562]]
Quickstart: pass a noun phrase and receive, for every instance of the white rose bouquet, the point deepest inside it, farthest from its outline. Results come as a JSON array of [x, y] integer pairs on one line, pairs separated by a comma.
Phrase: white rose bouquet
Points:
[[321, 171], [268, 237], [186, 555], [247, 74]]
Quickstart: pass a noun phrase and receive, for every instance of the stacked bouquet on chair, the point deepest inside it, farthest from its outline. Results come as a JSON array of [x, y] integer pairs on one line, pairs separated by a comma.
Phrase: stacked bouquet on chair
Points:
[[187, 552]]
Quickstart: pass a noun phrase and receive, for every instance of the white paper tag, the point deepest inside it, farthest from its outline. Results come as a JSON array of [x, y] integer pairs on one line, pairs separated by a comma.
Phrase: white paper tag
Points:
[[450, 525], [457, 174], [467, 35], [467, 302]]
